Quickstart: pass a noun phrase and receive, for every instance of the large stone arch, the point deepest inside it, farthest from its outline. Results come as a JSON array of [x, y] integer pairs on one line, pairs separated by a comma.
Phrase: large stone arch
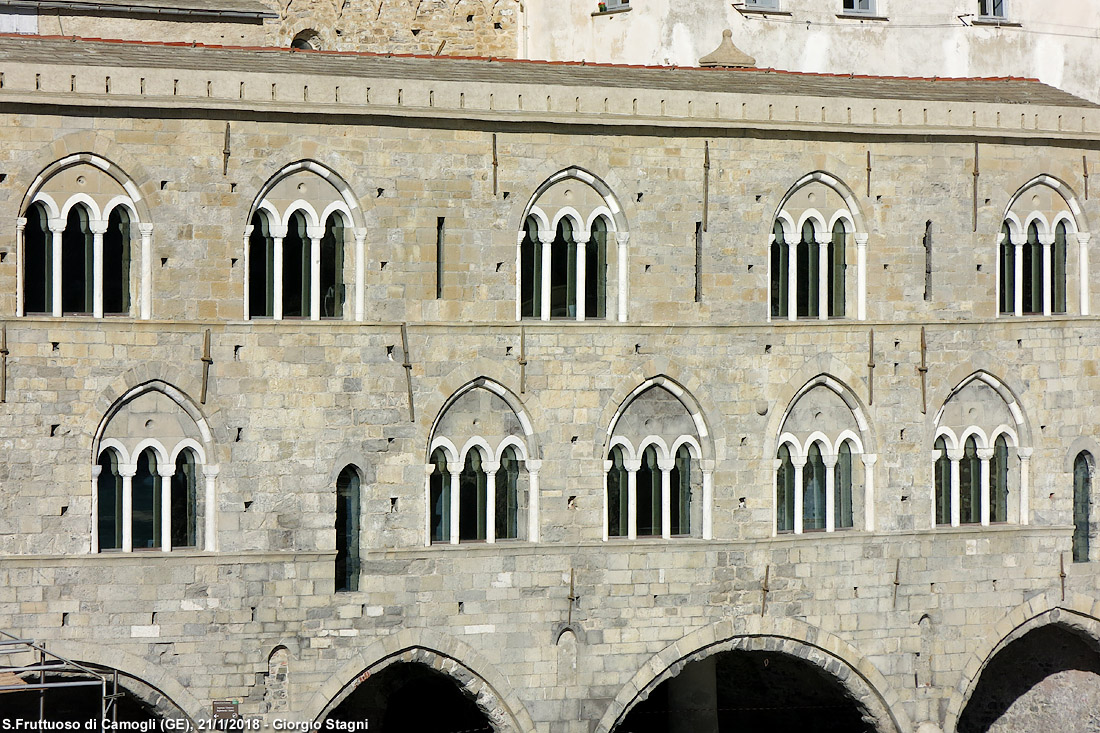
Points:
[[1080, 217], [789, 395], [855, 673], [322, 170], [497, 388], [837, 184], [143, 679], [1076, 612], [448, 655], [959, 379]]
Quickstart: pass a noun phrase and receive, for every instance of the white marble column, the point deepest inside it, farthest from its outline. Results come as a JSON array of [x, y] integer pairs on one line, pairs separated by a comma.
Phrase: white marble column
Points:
[[97, 470], [490, 468], [1018, 289], [776, 465], [984, 454], [830, 461], [454, 507], [707, 467], [210, 507], [165, 472], [127, 472], [278, 232], [792, 281], [607, 465], [955, 456], [1083, 270], [581, 241], [520, 236], [799, 463], [429, 469], [98, 229], [861, 276], [869, 492], [547, 241], [632, 465], [360, 273], [20, 254], [823, 241], [247, 269], [314, 234], [1025, 484], [145, 288], [665, 465], [1047, 240], [57, 227], [533, 527]]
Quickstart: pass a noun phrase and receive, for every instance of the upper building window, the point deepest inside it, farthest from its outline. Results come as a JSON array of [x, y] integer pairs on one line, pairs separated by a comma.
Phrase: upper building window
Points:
[[859, 6], [482, 483], [656, 481], [76, 243], [571, 251], [296, 246], [1039, 245], [150, 460], [347, 529], [981, 468], [762, 4], [993, 9], [813, 239]]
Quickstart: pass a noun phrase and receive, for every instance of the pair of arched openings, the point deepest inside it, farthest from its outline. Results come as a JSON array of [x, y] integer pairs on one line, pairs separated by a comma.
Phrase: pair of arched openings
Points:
[[1043, 239], [482, 475], [824, 478], [75, 242], [816, 233], [981, 463], [296, 243], [152, 485], [658, 472], [571, 251]]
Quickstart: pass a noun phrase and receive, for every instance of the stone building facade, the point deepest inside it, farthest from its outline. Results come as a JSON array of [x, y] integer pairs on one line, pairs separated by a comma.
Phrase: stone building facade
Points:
[[567, 398]]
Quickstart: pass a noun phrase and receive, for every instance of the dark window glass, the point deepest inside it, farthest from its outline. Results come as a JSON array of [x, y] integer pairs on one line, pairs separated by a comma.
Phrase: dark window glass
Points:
[[1082, 500], [943, 483], [595, 271], [530, 285], [1008, 272], [76, 263], [649, 495], [109, 494], [813, 491], [146, 502], [1058, 270], [998, 481], [617, 500], [37, 262], [347, 530], [296, 269], [680, 485], [506, 509], [970, 489], [809, 273], [440, 497], [780, 273], [472, 491], [184, 501], [332, 268], [784, 488], [837, 269], [842, 488], [116, 263], [261, 269], [563, 273]]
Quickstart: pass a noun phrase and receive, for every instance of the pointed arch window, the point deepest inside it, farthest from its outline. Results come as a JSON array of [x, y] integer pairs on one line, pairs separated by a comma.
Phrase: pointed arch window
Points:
[[296, 268], [76, 262], [109, 495], [649, 495], [1033, 272], [998, 481], [781, 267], [116, 263], [943, 483], [1008, 271], [842, 481], [185, 500], [1058, 269], [531, 270], [261, 267], [507, 496], [146, 502], [813, 491], [784, 486], [37, 261], [837, 268], [347, 530], [680, 483], [563, 272], [473, 497], [618, 502], [440, 497], [595, 271], [970, 493], [1082, 503], [332, 268]]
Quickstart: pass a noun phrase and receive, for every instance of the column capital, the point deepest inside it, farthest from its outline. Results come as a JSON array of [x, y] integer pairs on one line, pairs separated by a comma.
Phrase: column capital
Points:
[[798, 461], [20, 222], [533, 465], [581, 238], [56, 225], [211, 471], [166, 471], [824, 238], [861, 239], [490, 466], [623, 238], [429, 469], [1024, 453], [1017, 239], [520, 236], [147, 230], [127, 470], [248, 230], [1046, 239], [315, 232], [1083, 237], [278, 231], [96, 471], [829, 460], [360, 235], [608, 465], [666, 464], [777, 464], [956, 454], [97, 226], [632, 464], [985, 453], [547, 238], [869, 459]]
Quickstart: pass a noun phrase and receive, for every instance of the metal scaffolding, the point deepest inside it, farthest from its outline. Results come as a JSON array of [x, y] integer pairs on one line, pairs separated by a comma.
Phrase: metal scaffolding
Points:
[[37, 661]]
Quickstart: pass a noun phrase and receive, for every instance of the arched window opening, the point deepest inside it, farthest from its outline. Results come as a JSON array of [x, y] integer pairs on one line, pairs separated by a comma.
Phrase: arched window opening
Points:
[[116, 263], [473, 495], [440, 498], [76, 263], [1008, 271], [109, 505], [998, 481], [595, 271], [784, 486], [531, 270], [1058, 269], [347, 530], [837, 269], [809, 273], [618, 501], [37, 262], [261, 268], [507, 508], [970, 488], [781, 268], [943, 483], [680, 507], [649, 495], [296, 269], [842, 488], [1033, 272], [146, 502], [1082, 501], [813, 491], [307, 40], [185, 501], [332, 268], [563, 272]]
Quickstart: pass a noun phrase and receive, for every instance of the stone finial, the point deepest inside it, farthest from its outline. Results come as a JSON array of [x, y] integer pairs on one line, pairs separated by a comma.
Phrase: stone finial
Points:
[[727, 54]]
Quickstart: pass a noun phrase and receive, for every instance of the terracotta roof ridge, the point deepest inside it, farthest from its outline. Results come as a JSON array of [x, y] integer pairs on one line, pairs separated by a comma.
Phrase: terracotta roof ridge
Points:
[[497, 59]]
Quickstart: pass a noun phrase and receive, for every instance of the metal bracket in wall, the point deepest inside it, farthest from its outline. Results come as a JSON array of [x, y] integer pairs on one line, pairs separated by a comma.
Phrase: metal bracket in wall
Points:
[[573, 597], [225, 151], [897, 580], [206, 362], [871, 368], [923, 370], [522, 360], [1062, 572], [977, 172], [496, 162], [4, 363], [764, 590], [706, 182], [1085, 169], [408, 368], [868, 174]]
